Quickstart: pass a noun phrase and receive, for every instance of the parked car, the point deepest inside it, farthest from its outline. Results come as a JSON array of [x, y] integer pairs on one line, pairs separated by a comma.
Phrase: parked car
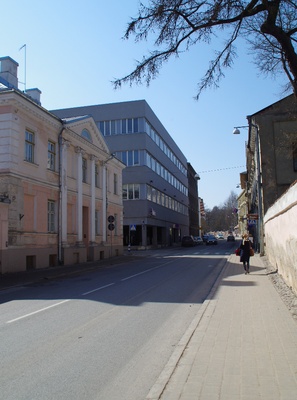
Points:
[[198, 240], [230, 238], [211, 239], [204, 238], [188, 241]]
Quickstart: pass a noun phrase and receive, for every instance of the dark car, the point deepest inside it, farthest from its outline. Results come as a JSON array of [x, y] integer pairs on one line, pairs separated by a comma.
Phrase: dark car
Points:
[[188, 241], [198, 240], [204, 238], [230, 238], [211, 239]]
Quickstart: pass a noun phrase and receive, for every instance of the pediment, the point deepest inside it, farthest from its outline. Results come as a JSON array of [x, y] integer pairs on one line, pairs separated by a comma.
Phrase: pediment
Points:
[[85, 130]]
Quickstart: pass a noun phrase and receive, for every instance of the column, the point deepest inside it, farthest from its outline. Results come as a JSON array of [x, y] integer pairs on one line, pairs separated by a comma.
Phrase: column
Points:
[[64, 146], [93, 197], [79, 152]]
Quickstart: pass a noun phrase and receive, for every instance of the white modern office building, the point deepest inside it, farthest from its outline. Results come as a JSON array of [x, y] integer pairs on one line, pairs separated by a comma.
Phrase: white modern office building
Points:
[[155, 184]]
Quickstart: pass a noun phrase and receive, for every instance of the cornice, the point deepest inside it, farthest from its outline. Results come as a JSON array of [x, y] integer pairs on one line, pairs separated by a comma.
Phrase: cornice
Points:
[[29, 107]]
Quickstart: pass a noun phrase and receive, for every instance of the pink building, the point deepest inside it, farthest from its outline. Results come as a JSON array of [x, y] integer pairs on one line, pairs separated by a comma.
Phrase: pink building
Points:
[[59, 184]]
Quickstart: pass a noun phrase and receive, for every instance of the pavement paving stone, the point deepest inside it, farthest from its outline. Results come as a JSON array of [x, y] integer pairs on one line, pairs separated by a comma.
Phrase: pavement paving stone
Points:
[[244, 347]]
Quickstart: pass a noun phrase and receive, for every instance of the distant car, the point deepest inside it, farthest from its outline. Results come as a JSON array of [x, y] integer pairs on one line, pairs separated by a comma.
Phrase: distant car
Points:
[[220, 236], [211, 239], [230, 238], [204, 238], [198, 240], [188, 241]]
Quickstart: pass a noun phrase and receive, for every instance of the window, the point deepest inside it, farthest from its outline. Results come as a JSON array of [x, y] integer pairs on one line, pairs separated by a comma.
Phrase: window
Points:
[[115, 184], [84, 170], [29, 146], [51, 155], [124, 157], [124, 130], [295, 156], [136, 125], [101, 127], [131, 191], [136, 157], [86, 134], [51, 216], [130, 157], [136, 191], [97, 222], [130, 130]]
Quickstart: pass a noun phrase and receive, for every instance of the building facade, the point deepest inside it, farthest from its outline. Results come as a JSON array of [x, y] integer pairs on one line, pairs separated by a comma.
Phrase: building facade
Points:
[[155, 182], [59, 183], [271, 158], [194, 202]]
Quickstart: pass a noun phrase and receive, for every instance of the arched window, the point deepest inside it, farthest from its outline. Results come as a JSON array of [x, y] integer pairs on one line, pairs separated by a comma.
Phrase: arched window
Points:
[[86, 134]]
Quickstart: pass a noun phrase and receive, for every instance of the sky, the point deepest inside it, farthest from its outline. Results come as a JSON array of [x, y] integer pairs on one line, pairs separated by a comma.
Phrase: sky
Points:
[[74, 50]]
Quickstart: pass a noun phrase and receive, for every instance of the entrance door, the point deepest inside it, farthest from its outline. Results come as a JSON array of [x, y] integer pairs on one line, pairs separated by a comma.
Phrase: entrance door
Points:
[[86, 229]]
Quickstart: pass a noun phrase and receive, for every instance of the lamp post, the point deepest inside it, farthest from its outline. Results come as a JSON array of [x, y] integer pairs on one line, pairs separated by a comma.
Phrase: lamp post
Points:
[[236, 131], [197, 177]]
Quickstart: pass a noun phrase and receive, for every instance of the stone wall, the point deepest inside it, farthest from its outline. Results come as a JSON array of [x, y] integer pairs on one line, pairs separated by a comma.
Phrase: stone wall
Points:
[[280, 227]]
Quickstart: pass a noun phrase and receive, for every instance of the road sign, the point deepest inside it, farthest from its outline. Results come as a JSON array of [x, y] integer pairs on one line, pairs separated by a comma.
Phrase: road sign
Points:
[[252, 221], [110, 219], [253, 216], [132, 227], [111, 227]]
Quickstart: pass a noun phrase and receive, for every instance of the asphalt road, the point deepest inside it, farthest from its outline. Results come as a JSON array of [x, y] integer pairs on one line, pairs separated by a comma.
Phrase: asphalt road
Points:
[[106, 334]]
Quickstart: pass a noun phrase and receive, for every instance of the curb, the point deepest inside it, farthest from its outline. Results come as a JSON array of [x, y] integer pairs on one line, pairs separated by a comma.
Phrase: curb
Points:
[[158, 388]]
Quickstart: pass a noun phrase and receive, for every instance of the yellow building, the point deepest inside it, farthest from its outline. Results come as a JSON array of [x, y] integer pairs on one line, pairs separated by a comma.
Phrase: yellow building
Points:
[[60, 187]]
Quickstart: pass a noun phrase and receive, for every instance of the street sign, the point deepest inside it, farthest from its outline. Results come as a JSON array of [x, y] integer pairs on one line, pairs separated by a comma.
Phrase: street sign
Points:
[[253, 216], [252, 221], [132, 227], [111, 227], [110, 219]]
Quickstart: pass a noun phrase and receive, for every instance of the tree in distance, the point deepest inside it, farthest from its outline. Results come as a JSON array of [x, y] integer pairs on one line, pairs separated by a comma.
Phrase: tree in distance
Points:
[[268, 26]]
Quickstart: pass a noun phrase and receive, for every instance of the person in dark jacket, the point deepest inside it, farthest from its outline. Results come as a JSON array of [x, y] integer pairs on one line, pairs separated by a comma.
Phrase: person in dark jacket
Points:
[[245, 246]]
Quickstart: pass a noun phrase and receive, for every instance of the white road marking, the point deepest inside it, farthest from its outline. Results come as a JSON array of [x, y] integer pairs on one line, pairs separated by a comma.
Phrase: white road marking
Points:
[[143, 272], [99, 288], [38, 311]]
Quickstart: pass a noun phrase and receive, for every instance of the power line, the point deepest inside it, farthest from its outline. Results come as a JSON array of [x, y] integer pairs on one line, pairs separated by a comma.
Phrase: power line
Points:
[[221, 169]]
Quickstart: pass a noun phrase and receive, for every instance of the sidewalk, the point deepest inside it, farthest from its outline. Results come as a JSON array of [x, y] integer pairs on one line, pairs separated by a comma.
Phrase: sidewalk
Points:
[[241, 346]]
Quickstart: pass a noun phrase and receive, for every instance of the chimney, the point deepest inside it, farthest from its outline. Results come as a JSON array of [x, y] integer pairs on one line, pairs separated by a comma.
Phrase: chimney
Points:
[[9, 72], [34, 94]]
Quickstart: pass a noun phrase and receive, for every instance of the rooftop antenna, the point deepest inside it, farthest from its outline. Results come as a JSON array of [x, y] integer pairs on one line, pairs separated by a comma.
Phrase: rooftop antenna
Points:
[[25, 53]]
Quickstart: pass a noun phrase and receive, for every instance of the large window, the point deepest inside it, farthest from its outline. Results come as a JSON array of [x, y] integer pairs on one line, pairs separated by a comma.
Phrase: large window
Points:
[[29, 146], [51, 155], [51, 216], [154, 195], [130, 157], [119, 126], [131, 191]]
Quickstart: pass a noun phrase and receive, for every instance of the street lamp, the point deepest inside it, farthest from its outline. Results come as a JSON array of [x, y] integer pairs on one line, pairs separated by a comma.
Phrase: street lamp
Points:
[[236, 131]]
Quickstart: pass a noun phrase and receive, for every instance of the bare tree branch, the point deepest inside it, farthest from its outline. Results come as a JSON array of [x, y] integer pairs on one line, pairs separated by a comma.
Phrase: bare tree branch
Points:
[[179, 24]]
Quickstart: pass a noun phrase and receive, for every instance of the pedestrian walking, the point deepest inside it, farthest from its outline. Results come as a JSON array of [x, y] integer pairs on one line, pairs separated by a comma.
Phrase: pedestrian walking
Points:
[[245, 247]]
